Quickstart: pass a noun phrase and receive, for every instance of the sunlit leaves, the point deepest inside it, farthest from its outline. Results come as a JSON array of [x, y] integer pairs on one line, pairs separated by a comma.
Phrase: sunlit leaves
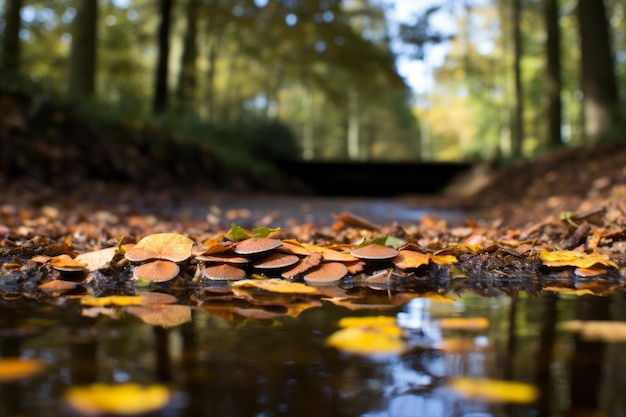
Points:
[[493, 390], [369, 336], [123, 399], [128, 300], [14, 369], [577, 259]]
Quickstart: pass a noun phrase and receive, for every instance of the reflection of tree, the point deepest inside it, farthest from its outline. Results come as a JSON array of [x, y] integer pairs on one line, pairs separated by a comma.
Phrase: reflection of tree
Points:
[[544, 353], [585, 365]]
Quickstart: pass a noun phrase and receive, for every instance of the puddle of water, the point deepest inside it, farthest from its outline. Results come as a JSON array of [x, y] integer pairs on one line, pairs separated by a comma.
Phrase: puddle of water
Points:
[[281, 367]]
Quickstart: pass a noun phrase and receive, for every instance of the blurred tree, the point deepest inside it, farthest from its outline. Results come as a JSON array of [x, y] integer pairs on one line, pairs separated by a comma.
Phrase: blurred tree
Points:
[[159, 103], [10, 59], [598, 81], [554, 84], [82, 60], [187, 77], [517, 131]]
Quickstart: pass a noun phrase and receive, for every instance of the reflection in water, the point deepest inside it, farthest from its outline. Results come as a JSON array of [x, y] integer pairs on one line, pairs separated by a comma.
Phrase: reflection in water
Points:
[[281, 367]]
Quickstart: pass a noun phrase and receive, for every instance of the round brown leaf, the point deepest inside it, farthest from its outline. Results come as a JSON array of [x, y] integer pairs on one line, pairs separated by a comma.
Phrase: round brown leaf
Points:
[[326, 272], [156, 271], [374, 251], [224, 272], [276, 260], [256, 245]]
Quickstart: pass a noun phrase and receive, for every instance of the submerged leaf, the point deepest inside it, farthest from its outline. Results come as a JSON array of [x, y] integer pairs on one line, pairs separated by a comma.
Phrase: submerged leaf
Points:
[[124, 399], [494, 390], [377, 335]]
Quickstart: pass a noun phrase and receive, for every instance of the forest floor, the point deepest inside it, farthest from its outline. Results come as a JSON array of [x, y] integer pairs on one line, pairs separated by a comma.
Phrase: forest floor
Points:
[[570, 203]]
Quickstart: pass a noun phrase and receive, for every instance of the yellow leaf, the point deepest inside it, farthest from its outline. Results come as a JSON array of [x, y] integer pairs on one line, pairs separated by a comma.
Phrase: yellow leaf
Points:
[[443, 259], [368, 321], [276, 285], [494, 390], [13, 369], [123, 399], [409, 259], [571, 258]]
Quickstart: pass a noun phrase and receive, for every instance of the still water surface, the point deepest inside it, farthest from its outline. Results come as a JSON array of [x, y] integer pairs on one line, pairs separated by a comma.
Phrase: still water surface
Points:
[[281, 367]]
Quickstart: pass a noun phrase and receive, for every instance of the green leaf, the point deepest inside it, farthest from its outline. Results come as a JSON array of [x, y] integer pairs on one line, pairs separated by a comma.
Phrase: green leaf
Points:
[[264, 231], [238, 233], [394, 242]]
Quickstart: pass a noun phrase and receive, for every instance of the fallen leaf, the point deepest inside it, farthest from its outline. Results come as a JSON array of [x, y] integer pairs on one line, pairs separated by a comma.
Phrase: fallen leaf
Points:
[[494, 390], [156, 271], [571, 258], [122, 399], [169, 246], [66, 263], [97, 259]]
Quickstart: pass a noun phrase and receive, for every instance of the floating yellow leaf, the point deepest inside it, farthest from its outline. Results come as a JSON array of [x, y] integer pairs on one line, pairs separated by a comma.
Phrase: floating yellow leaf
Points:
[[409, 259], [376, 335], [123, 399], [494, 390], [120, 300], [368, 321], [276, 285], [571, 258], [463, 323], [170, 246], [13, 369], [598, 331], [128, 300]]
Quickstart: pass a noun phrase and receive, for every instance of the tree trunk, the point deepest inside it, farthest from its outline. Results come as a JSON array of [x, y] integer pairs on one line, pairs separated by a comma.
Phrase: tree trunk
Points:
[[187, 80], [353, 126], [553, 56], [10, 59], [598, 82], [82, 61], [517, 136], [160, 85]]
